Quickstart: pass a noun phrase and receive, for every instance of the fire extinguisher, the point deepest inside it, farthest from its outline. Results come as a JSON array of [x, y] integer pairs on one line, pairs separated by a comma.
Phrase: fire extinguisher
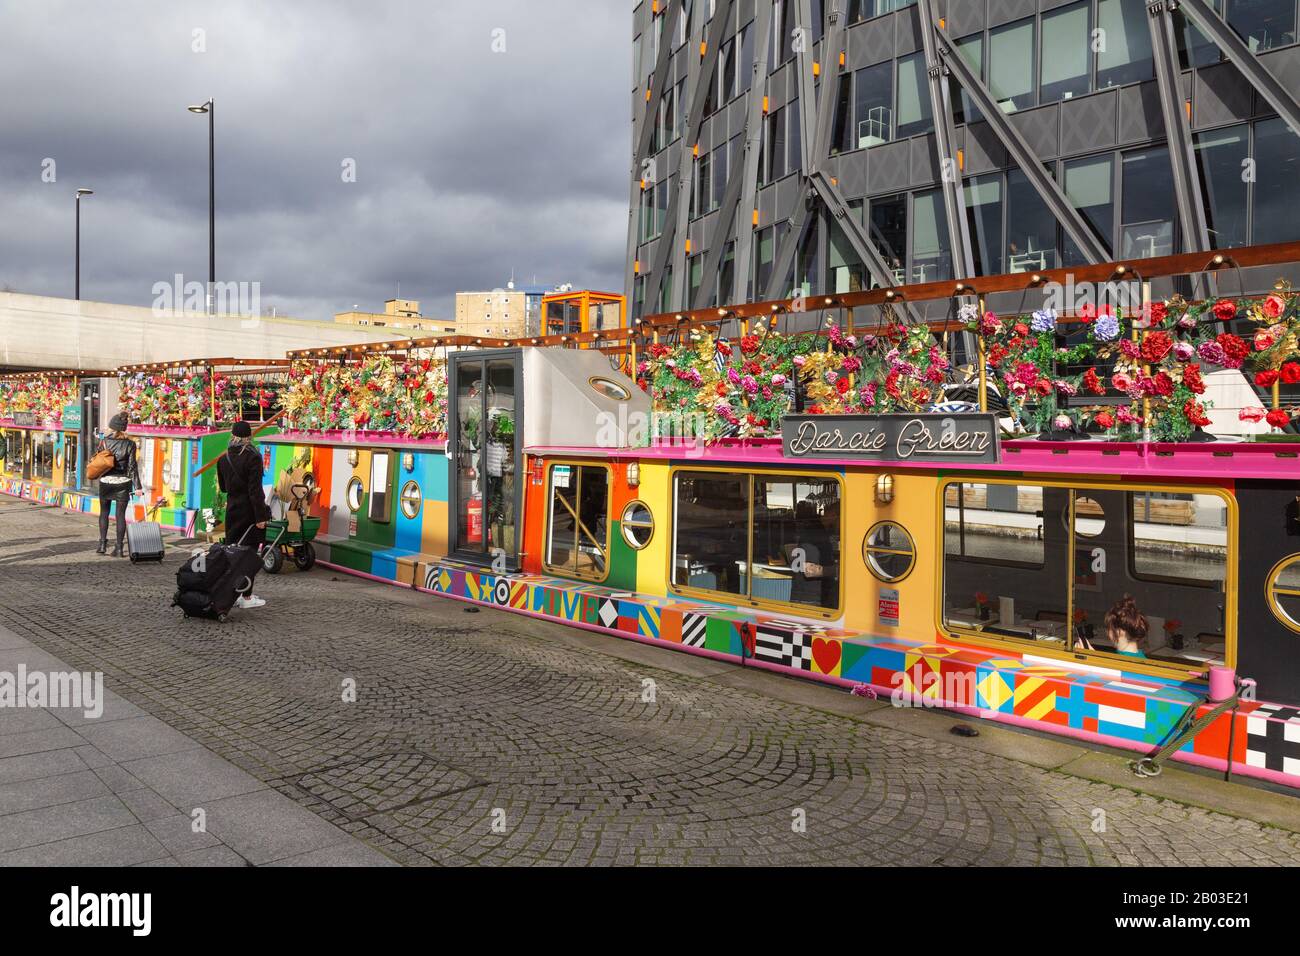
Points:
[[474, 519]]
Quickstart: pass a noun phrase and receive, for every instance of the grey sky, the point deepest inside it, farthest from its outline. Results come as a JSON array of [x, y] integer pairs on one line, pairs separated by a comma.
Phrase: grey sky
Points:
[[469, 162]]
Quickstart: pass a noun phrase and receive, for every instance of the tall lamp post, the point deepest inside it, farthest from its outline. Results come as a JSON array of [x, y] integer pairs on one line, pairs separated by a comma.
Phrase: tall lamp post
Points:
[[80, 192], [212, 204]]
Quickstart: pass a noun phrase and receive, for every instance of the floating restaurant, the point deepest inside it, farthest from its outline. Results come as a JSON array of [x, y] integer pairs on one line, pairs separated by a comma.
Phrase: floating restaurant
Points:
[[945, 513]]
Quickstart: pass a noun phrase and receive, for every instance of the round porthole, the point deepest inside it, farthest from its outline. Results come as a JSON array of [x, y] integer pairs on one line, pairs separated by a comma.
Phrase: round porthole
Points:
[[888, 551], [1282, 589], [637, 524], [609, 388], [1089, 517], [411, 499], [355, 490]]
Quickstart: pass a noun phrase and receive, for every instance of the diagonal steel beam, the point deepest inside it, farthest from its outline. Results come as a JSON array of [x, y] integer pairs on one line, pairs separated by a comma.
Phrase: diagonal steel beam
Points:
[[687, 165], [1264, 82], [954, 199], [1020, 150], [742, 183], [1182, 155]]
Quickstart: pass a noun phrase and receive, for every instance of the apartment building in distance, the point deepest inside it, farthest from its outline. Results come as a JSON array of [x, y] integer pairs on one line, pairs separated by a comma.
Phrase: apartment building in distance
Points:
[[398, 314], [512, 312]]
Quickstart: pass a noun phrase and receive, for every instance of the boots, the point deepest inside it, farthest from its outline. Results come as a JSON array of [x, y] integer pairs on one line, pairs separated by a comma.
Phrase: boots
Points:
[[103, 546], [117, 550]]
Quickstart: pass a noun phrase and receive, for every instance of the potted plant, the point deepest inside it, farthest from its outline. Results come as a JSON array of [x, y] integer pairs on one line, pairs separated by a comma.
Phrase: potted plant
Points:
[[1173, 634], [982, 605]]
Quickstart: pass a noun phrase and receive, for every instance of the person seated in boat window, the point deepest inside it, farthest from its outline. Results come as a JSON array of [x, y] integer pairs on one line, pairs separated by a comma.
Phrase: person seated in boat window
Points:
[[813, 557], [1126, 628]]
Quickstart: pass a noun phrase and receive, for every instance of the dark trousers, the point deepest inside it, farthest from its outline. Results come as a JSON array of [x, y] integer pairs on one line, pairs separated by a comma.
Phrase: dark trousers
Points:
[[108, 493], [255, 538]]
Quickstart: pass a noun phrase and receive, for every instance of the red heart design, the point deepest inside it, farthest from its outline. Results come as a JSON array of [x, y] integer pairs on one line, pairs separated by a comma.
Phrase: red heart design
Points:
[[826, 654]]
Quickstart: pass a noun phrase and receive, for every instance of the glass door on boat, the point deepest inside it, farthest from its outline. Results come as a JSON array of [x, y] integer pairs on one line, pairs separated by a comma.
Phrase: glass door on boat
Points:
[[484, 446], [89, 420]]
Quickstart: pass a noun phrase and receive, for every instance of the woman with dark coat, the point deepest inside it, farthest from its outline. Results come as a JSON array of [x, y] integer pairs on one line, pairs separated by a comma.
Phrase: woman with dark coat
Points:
[[118, 484], [239, 475]]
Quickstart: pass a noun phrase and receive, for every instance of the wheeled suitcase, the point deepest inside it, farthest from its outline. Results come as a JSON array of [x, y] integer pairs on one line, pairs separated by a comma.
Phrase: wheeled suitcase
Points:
[[210, 581], [144, 540]]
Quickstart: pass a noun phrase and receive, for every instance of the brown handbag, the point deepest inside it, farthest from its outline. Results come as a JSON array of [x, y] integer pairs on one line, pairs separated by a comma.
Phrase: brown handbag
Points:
[[101, 464]]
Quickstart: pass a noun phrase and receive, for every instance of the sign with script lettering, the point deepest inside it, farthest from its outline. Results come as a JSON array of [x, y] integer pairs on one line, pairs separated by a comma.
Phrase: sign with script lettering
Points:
[[956, 438]]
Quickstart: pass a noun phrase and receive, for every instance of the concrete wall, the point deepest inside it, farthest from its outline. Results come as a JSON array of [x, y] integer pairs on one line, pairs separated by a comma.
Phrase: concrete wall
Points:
[[44, 332]]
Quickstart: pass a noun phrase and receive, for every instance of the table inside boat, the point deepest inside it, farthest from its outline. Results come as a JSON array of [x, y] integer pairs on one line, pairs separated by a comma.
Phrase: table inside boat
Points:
[[1049, 632]]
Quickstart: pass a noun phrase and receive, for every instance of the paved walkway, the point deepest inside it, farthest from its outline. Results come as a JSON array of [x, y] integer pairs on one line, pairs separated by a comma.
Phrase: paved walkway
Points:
[[494, 738]]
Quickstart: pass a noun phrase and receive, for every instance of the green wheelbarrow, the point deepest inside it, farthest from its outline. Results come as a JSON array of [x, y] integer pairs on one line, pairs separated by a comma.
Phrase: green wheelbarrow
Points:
[[298, 544]]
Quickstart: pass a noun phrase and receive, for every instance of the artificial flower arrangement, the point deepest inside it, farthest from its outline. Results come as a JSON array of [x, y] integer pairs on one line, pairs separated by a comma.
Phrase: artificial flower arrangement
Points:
[[162, 398], [378, 394], [44, 395], [1159, 361]]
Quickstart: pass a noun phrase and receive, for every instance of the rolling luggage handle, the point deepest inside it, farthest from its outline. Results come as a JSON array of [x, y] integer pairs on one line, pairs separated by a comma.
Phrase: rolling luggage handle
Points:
[[260, 551]]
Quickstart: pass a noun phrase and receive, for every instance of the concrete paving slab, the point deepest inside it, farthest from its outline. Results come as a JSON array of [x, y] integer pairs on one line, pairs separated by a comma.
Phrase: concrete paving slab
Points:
[[36, 766], [21, 720], [8, 640], [114, 708], [188, 778], [175, 831], [135, 737], [266, 826], [123, 846], [50, 791], [36, 741], [62, 822], [146, 805], [212, 856], [341, 854], [32, 657]]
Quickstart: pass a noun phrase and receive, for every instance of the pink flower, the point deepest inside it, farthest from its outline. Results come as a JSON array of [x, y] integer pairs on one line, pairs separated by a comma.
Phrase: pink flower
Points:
[[733, 376], [1252, 414], [1121, 382], [1183, 351], [778, 380]]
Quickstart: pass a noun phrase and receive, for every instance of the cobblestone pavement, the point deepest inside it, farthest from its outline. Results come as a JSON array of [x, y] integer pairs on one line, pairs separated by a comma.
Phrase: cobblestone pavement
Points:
[[463, 720]]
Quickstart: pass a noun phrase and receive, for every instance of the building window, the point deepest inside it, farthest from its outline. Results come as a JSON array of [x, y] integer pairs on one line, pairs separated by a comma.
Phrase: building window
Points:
[[719, 179], [1147, 210], [971, 49], [888, 551], [915, 113], [1031, 227], [776, 167], [1126, 55], [1283, 586], [1090, 187], [1011, 65], [764, 538], [637, 525], [1277, 183], [1065, 58], [931, 245], [888, 231], [578, 534], [873, 105], [1065, 556], [1221, 158], [1263, 24], [984, 221]]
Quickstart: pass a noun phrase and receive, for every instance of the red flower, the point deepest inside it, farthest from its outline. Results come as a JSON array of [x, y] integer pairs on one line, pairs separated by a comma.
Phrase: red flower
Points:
[[1192, 379], [1225, 310], [1093, 384], [1274, 306], [814, 410], [1087, 312], [1159, 311], [1233, 345], [842, 385], [1156, 346], [1162, 384], [749, 344], [1267, 378], [1278, 418], [1195, 413], [1291, 373], [1105, 420]]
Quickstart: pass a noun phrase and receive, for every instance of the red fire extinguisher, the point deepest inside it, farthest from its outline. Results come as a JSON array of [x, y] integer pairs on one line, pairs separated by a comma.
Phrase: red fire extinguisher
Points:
[[474, 519]]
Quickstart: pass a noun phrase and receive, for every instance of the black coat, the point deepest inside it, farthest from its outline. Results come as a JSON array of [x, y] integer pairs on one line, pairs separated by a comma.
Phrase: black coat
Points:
[[239, 475], [125, 464]]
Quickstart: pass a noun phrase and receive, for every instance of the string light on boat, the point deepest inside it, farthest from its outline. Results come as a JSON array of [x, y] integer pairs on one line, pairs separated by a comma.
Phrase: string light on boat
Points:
[[884, 489], [634, 474], [408, 462]]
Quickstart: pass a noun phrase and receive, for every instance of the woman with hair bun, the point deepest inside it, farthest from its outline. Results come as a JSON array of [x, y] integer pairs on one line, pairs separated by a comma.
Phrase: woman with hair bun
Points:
[[1126, 627]]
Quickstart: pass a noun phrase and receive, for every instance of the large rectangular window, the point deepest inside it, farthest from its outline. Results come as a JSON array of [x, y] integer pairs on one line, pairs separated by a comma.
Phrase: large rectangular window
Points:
[[1090, 186], [971, 49], [1124, 54], [888, 230], [1221, 158], [577, 540], [1066, 55], [1031, 227], [984, 220], [1277, 183], [915, 114], [1011, 65], [1147, 213], [931, 248], [873, 105], [1263, 24], [764, 538], [1046, 564]]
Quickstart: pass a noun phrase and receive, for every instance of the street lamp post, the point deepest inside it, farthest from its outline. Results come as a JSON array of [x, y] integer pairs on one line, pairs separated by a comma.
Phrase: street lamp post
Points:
[[80, 192], [212, 202]]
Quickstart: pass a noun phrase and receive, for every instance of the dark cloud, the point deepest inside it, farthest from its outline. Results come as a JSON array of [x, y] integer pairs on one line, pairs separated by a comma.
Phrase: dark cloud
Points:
[[469, 162]]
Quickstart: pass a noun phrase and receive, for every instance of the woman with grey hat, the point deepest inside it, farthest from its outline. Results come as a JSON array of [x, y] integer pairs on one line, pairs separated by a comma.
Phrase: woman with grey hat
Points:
[[239, 475], [118, 483]]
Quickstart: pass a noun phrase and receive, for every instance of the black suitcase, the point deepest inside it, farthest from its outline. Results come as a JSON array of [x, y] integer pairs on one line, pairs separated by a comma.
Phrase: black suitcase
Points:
[[209, 582]]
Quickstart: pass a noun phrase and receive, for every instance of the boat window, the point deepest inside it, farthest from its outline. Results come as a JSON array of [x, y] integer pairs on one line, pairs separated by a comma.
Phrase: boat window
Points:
[[637, 525], [355, 489], [43, 455], [411, 498], [889, 551], [1005, 567], [578, 542], [773, 538], [1284, 591], [1009, 551], [13, 451]]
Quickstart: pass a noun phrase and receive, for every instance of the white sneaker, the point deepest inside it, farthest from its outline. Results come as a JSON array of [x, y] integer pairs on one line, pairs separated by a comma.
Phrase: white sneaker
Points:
[[247, 603]]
